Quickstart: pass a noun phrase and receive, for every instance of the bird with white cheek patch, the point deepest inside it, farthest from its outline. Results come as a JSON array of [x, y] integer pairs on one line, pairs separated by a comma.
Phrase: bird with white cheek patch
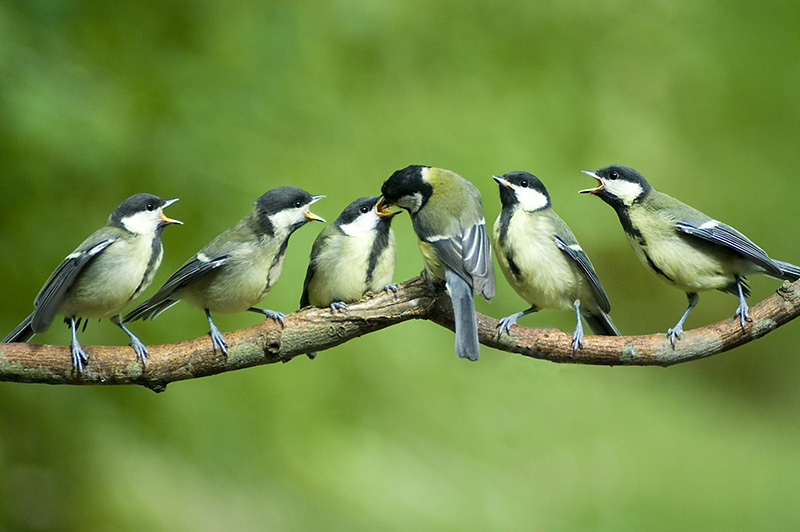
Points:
[[351, 257], [447, 215], [542, 260], [103, 275], [237, 269], [682, 246]]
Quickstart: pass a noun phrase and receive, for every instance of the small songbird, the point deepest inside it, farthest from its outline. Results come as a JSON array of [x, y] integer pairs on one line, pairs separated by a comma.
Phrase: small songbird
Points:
[[447, 215], [103, 275], [543, 261], [350, 257], [233, 272], [683, 246]]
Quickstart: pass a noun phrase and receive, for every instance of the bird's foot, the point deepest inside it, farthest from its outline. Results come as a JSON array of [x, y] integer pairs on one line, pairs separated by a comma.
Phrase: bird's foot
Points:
[[79, 357], [140, 349], [577, 338], [504, 324], [272, 314], [217, 340], [674, 333], [743, 311], [339, 306], [392, 287]]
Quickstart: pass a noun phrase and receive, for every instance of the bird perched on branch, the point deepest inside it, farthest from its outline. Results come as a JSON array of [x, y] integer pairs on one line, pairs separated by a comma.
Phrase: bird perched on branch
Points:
[[352, 256], [103, 275], [542, 260], [681, 245], [447, 216], [233, 272]]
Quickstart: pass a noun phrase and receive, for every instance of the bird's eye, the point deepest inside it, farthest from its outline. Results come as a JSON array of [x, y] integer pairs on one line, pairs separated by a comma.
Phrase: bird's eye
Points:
[[612, 175], [298, 204], [150, 207], [523, 184], [364, 210]]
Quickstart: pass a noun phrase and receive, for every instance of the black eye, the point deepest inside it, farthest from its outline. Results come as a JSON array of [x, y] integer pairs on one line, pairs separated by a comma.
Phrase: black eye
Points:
[[150, 207], [612, 175], [364, 210], [298, 204], [523, 184]]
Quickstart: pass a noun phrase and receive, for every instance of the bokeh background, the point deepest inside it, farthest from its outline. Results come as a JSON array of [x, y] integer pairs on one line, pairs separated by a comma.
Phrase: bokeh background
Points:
[[216, 102]]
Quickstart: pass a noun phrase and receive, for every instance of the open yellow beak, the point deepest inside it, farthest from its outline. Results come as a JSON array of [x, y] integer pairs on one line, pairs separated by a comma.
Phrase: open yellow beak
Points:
[[599, 188]]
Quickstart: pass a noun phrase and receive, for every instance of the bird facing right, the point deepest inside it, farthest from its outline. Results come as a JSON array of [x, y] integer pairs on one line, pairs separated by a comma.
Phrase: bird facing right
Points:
[[352, 256], [542, 260], [234, 271], [682, 246]]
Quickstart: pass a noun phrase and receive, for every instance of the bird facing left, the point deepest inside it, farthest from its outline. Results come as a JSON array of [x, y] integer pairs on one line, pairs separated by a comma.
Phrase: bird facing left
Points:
[[103, 275]]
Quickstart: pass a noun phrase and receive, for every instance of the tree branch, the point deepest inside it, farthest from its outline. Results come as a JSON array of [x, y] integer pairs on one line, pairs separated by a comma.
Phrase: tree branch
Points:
[[317, 329]]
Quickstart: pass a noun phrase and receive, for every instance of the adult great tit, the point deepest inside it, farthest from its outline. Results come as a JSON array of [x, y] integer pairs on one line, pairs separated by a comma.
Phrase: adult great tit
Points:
[[237, 269], [447, 215], [543, 261], [350, 257], [103, 275], [684, 247]]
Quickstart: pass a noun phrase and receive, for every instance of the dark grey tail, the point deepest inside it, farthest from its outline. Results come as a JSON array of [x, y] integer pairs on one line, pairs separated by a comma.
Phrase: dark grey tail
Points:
[[790, 271], [23, 331], [148, 310], [465, 321], [600, 323]]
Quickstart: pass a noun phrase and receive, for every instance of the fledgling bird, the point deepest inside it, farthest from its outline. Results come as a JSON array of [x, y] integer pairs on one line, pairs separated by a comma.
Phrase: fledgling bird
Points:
[[233, 272], [103, 275], [684, 247], [542, 260], [447, 216], [350, 257]]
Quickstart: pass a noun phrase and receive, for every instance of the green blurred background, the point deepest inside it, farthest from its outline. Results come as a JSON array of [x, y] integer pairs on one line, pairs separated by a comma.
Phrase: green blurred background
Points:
[[216, 102]]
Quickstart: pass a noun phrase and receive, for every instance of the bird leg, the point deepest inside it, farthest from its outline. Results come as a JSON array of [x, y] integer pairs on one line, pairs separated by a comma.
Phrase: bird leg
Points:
[[216, 337], [577, 335], [676, 331], [273, 314], [743, 311], [137, 345], [78, 354], [504, 325], [339, 306]]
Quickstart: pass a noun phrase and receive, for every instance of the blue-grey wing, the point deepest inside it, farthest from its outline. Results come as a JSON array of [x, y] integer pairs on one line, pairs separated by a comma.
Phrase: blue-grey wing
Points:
[[576, 253], [469, 255], [726, 236], [61, 280]]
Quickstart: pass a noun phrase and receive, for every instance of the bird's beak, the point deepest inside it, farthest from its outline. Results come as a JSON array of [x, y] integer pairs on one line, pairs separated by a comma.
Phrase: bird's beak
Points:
[[502, 182], [310, 215], [382, 209], [164, 219], [598, 189]]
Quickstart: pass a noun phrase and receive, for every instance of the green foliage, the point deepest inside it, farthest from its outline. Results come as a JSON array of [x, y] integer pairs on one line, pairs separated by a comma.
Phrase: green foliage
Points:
[[216, 102]]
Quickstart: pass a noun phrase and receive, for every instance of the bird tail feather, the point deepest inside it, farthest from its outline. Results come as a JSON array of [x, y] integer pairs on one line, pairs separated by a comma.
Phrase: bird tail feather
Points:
[[23, 332], [466, 323], [600, 323], [790, 271]]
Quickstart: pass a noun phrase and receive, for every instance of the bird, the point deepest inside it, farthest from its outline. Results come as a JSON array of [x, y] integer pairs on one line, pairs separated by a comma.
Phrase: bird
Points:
[[542, 260], [351, 257], [234, 271], [103, 275], [447, 215], [682, 246]]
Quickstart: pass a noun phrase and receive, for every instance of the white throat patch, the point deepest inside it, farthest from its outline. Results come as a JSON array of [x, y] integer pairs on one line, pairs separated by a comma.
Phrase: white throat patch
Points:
[[362, 225], [142, 222], [626, 191], [529, 199], [286, 218]]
